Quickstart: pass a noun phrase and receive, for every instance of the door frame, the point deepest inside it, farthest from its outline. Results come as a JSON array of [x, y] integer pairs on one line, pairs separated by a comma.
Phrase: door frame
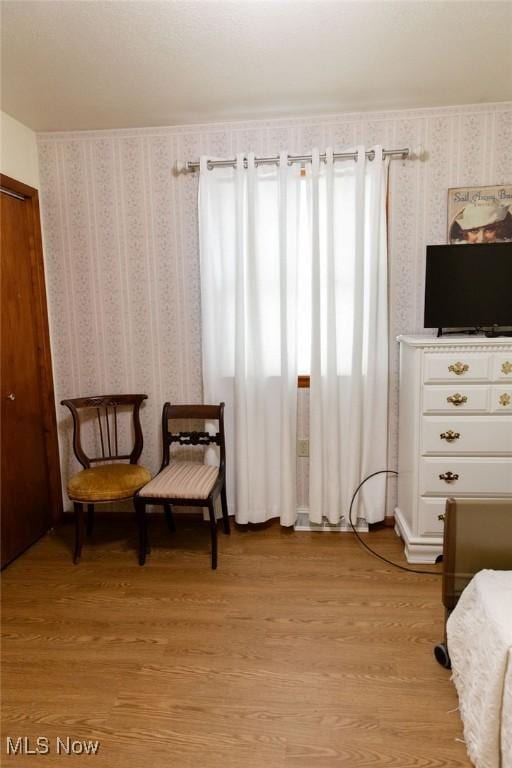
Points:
[[49, 418]]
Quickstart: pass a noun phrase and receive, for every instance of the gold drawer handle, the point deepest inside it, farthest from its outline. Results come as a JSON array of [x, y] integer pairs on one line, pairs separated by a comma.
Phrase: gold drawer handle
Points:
[[449, 436], [440, 517], [449, 477], [457, 399], [459, 368], [506, 367], [505, 399]]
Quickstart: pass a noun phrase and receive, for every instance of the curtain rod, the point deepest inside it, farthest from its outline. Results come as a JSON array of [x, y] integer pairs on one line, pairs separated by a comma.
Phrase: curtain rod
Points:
[[274, 160]]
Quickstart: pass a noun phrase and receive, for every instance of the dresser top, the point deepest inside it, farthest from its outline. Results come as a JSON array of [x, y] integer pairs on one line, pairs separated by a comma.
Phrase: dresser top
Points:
[[455, 340]]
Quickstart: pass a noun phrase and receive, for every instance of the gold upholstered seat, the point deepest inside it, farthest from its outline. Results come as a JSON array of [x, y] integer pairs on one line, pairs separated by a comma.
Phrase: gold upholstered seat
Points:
[[108, 480]]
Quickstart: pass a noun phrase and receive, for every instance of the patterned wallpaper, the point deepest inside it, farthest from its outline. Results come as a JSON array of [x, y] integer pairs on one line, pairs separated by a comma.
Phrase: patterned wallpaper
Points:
[[121, 241]]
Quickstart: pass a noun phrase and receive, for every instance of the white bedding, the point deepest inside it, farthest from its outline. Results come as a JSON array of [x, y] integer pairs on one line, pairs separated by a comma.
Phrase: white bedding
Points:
[[479, 633]]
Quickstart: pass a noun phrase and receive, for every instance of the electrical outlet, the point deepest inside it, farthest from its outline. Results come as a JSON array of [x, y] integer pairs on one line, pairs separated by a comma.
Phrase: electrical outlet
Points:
[[303, 448]]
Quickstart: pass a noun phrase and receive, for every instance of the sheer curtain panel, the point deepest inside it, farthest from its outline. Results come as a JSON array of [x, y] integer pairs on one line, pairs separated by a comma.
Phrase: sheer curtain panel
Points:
[[349, 336], [249, 225], [294, 281]]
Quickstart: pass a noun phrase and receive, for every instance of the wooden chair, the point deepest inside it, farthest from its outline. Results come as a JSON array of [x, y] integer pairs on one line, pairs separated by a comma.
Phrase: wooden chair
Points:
[[186, 483], [109, 481]]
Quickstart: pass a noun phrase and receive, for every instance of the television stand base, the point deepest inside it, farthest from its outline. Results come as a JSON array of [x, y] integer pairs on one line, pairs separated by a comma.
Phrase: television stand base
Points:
[[468, 331], [496, 334]]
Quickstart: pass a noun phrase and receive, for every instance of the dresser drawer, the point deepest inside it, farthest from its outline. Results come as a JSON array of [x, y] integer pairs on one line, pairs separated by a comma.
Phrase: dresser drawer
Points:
[[461, 399], [501, 398], [502, 367], [440, 367], [478, 435], [429, 511], [472, 476]]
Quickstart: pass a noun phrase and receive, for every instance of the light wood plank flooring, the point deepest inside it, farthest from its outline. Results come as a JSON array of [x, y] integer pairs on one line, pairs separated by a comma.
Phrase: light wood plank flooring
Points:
[[301, 651]]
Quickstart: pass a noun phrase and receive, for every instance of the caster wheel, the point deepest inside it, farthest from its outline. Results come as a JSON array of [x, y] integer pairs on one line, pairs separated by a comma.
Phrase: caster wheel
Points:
[[442, 655]]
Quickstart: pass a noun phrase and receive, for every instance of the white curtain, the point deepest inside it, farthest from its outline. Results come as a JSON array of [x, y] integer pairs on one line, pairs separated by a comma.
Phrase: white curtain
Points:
[[294, 280], [248, 222], [349, 336]]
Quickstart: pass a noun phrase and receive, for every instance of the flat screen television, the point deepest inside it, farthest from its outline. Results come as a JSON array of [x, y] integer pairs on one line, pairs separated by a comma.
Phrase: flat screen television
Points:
[[468, 286]]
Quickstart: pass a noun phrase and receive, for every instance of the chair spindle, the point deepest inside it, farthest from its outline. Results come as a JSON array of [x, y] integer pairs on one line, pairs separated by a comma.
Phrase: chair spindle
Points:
[[101, 432], [108, 432]]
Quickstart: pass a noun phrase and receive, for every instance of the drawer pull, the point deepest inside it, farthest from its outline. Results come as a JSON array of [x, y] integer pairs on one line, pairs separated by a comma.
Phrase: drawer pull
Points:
[[505, 399], [506, 367], [449, 477], [440, 517], [449, 436], [457, 399], [459, 368]]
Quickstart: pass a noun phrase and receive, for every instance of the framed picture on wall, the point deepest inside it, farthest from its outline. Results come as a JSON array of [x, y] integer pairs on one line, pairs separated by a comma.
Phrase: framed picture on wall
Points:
[[480, 214]]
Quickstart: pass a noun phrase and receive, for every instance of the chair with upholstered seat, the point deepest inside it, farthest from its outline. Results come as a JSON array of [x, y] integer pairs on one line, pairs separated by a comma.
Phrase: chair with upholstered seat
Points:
[[187, 483], [109, 481]]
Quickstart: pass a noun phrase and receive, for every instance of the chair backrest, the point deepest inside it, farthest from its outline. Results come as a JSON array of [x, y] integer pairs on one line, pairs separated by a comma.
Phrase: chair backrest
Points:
[[193, 438], [477, 535], [106, 422]]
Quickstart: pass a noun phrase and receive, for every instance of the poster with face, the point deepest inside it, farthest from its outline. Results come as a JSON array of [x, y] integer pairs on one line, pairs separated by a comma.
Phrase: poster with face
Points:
[[480, 215]]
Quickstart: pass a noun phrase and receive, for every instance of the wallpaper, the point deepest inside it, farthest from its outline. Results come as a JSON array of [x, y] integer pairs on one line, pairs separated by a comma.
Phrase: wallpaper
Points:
[[121, 243]]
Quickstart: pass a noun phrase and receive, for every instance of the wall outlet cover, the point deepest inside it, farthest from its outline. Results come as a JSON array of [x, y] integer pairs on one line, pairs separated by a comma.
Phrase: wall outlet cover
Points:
[[303, 448]]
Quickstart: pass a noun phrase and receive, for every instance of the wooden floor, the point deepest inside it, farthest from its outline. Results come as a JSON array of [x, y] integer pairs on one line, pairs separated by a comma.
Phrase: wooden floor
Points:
[[301, 651]]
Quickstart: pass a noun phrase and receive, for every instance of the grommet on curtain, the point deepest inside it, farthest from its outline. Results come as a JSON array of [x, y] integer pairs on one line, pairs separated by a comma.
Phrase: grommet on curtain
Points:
[[373, 153], [315, 160]]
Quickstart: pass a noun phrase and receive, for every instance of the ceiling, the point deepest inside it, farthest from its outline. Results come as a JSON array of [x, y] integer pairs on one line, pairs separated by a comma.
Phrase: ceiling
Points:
[[77, 64]]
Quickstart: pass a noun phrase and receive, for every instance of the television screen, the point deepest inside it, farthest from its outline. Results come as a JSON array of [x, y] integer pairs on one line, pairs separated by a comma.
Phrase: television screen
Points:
[[468, 286]]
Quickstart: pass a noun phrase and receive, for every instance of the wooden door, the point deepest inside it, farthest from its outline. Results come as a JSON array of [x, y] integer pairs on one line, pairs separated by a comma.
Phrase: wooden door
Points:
[[30, 488]]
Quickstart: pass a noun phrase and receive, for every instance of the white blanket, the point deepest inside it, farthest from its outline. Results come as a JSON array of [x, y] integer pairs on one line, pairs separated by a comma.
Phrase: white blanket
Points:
[[479, 633]]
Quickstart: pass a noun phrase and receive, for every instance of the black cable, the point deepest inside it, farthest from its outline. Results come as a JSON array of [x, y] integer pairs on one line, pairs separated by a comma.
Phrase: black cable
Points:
[[364, 544]]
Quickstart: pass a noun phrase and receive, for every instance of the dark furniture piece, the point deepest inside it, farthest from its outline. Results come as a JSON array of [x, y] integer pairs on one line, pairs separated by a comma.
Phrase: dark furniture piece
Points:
[[31, 492], [477, 535], [186, 483], [109, 481]]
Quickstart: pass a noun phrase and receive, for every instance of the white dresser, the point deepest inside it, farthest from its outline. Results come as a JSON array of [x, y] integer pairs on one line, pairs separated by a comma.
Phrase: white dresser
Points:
[[455, 431]]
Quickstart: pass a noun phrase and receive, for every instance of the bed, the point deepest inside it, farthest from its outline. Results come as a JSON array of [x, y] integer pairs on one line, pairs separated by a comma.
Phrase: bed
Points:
[[479, 636], [477, 596]]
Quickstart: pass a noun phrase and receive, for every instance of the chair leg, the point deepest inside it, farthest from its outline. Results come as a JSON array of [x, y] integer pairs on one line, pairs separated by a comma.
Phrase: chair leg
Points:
[[169, 518], [213, 532], [140, 509], [90, 519], [225, 515], [79, 531]]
